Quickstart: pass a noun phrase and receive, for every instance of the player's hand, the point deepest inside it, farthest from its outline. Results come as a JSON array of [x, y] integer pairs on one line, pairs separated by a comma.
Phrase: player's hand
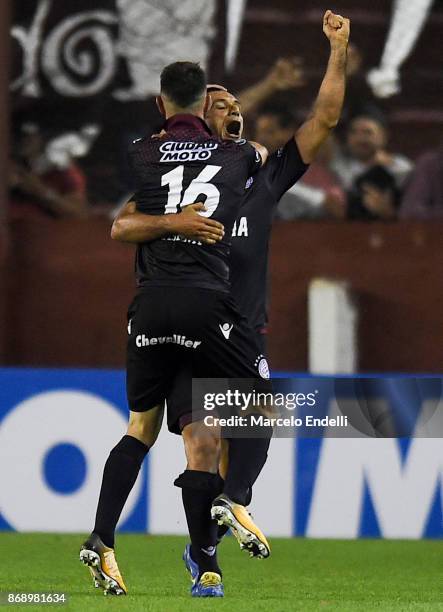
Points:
[[192, 225], [286, 73], [336, 28]]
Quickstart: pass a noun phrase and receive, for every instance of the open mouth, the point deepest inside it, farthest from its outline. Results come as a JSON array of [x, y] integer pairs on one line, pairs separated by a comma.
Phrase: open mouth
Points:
[[233, 129]]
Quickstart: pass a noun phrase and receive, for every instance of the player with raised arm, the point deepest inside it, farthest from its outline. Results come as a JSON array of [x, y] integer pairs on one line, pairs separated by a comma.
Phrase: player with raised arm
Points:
[[249, 248], [183, 298]]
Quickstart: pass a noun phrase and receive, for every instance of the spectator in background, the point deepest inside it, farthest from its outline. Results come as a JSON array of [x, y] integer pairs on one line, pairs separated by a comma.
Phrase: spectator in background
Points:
[[318, 194], [366, 141], [371, 176], [423, 197], [274, 124], [38, 183], [287, 73], [374, 196]]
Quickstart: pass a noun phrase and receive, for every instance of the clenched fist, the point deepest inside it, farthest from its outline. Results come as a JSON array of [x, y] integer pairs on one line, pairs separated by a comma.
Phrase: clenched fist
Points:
[[336, 28]]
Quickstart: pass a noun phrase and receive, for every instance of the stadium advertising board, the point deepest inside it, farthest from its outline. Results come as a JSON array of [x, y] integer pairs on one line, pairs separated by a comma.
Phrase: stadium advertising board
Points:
[[57, 427]]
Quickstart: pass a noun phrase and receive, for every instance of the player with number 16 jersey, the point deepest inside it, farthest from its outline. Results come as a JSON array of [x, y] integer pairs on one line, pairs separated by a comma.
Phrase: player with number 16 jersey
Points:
[[185, 165], [183, 312]]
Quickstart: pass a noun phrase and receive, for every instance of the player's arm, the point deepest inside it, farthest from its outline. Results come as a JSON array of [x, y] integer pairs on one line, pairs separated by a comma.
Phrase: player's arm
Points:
[[261, 150], [132, 226], [328, 105]]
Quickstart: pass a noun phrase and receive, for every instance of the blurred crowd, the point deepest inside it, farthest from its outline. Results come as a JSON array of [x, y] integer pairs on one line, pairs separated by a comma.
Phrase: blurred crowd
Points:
[[356, 176]]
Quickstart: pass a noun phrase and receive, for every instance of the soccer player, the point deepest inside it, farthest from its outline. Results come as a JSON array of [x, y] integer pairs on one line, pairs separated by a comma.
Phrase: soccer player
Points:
[[183, 301], [249, 248]]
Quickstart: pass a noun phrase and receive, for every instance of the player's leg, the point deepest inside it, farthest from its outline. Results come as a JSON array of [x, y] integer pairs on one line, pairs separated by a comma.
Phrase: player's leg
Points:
[[247, 457], [120, 473], [200, 484], [122, 468], [224, 455], [226, 347], [237, 355], [147, 378], [223, 470]]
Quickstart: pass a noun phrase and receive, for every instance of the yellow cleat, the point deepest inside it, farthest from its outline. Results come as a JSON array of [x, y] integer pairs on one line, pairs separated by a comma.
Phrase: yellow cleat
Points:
[[248, 535], [209, 585], [103, 566]]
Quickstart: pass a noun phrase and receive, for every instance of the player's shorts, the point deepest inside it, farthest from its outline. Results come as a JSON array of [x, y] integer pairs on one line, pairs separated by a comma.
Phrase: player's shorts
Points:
[[179, 409], [172, 328]]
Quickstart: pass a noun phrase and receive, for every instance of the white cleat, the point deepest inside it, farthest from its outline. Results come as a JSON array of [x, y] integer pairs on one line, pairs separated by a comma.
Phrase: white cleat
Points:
[[248, 535], [103, 566]]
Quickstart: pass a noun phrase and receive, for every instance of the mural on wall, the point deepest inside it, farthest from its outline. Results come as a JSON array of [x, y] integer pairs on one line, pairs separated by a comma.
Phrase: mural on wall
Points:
[[79, 55], [82, 65]]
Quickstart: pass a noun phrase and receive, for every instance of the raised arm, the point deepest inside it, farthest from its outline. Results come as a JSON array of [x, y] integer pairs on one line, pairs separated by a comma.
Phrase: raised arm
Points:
[[328, 105], [132, 226]]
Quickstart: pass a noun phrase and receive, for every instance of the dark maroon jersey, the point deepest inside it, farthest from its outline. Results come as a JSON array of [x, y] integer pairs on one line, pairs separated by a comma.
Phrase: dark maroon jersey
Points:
[[251, 233], [185, 166]]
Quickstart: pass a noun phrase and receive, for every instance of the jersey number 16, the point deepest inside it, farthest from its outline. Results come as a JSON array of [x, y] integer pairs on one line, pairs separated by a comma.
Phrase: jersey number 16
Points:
[[200, 186]]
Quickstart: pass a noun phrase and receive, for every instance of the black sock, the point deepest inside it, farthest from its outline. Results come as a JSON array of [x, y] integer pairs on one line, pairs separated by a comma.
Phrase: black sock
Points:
[[222, 530], [198, 491], [120, 473], [247, 456]]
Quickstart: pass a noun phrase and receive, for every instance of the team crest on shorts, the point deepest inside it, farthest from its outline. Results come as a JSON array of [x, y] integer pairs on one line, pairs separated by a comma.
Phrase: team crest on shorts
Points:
[[262, 365]]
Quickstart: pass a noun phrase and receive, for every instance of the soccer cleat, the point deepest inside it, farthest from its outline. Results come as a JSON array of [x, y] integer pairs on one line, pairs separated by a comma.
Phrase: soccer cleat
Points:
[[103, 567], [248, 535], [209, 585], [191, 565]]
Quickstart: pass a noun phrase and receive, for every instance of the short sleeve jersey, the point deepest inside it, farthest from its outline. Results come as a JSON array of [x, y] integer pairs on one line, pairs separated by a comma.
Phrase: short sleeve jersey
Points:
[[252, 229], [187, 165]]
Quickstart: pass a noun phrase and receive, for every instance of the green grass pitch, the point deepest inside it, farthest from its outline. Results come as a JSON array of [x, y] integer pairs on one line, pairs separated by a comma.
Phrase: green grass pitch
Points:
[[301, 575]]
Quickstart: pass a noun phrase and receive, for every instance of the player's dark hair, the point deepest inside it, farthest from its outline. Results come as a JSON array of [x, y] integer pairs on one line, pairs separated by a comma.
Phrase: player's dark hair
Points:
[[212, 88], [284, 116], [184, 83]]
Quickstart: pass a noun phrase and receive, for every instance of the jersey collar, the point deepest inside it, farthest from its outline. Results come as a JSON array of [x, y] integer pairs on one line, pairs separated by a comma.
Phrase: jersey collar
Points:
[[180, 121]]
